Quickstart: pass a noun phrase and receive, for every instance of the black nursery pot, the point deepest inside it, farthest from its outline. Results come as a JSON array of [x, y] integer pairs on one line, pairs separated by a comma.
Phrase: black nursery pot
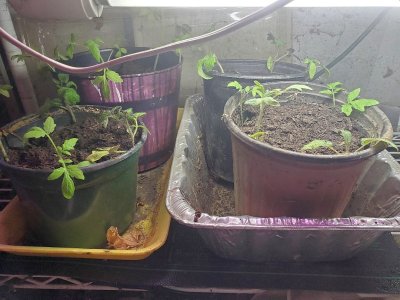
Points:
[[216, 93]]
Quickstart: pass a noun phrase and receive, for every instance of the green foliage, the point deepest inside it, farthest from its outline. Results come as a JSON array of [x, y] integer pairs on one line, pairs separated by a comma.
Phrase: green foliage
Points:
[[20, 57], [347, 137], [332, 90], [316, 144], [298, 87], [67, 169], [5, 90], [98, 154], [129, 118], [371, 142], [257, 135], [312, 65], [207, 64], [93, 45], [278, 45], [354, 102], [121, 51]]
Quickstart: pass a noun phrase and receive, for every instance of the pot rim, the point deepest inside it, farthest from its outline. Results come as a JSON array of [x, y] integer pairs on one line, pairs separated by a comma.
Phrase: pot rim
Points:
[[270, 77], [88, 169], [321, 158], [91, 76]]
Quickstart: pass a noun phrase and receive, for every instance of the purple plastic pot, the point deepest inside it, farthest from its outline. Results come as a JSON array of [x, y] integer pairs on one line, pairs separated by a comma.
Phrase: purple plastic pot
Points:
[[155, 92], [273, 182]]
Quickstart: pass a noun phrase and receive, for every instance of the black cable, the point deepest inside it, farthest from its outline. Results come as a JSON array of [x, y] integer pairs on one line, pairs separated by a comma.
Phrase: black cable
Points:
[[354, 44]]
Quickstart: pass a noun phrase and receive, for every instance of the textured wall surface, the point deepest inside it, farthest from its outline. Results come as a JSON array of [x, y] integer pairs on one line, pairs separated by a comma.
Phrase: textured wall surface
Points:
[[318, 33]]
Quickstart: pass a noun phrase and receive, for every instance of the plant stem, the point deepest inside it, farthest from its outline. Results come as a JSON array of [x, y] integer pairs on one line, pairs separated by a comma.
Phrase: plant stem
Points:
[[68, 109], [156, 62], [132, 135], [333, 149], [220, 67], [3, 151], [61, 159], [333, 98], [260, 117]]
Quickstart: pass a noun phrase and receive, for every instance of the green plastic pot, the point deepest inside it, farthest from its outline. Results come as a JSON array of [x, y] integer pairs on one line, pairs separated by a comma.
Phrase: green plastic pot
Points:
[[107, 196]]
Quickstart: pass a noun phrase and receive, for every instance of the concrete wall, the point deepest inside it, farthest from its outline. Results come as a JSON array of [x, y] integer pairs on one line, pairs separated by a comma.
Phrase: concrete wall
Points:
[[318, 33]]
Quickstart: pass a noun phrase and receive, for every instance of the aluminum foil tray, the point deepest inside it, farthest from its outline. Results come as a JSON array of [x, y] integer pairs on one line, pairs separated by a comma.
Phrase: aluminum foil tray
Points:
[[196, 200]]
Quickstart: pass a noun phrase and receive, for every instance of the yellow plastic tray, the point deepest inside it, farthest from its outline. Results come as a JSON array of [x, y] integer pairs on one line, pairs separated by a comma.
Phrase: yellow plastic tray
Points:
[[13, 228]]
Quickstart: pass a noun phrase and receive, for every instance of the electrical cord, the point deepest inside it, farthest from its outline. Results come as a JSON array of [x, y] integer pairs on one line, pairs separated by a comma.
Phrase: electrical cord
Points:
[[354, 44]]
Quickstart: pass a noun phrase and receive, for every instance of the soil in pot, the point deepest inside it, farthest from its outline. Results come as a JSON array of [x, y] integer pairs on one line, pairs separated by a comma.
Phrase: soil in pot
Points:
[[107, 195], [297, 122], [275, 178], [91, 135]]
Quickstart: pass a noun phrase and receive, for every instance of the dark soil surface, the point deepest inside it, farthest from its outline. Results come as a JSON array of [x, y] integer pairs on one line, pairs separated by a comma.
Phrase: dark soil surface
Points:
[[91, 135], [296, 123]]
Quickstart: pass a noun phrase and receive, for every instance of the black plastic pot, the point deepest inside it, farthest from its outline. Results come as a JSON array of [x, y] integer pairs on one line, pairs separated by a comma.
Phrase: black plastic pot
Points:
[[155, 92], [273, 182], [217, 137], [107, 196]]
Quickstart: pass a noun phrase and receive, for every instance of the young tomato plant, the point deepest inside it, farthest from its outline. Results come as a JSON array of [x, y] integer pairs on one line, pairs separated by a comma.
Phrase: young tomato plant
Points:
[[207, 64], [243, 92], [312, 65], [278, 45], [332, 89], [354, 102], [129, 118], [316, 144], [370, 142], [106, 75], [68, 170]]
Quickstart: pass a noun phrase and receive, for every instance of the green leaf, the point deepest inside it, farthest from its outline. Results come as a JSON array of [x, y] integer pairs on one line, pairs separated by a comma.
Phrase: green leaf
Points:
[[253, 101], [49, 125], [69, 144], [326, 92], [105, 89], [113, 76], [360, 104], [270, 63], [70, 51], [315, 144], [4, 90], [57, 173], [312, 69], [235, 84], [84, 163], [94, 49], [97, 155], [353, 94], [346, 136], [333, 85], [75, 172], [65, 161], [71, 84], [200, 71], [67, 186], [20, 57], [34, 132], [71, 96], [257, 135], [375, 141], [64, 78], [139, 114], [347, 109], [269, 101], [207, 63], [299, 87], [98, 80]]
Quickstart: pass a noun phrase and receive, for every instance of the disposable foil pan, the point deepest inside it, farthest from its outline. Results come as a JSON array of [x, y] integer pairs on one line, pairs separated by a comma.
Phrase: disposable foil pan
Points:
[[196, 200]]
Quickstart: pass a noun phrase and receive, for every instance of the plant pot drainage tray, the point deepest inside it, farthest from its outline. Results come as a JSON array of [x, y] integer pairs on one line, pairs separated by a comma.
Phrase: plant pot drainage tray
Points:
[[151, 220], [196, 200]]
